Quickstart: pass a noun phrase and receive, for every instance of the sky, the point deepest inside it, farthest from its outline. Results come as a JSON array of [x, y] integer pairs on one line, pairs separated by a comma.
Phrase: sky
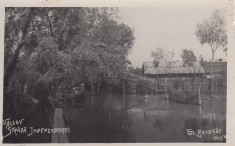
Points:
[[168, 28]]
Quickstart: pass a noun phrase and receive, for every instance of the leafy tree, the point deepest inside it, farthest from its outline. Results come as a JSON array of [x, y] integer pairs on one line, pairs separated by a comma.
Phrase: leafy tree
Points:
[[158, 56], [16, 29], [188, 57], [213, 33], [96, 29], [169, 60], [166, 57], [202, 61], [62, 46], [190, 60]]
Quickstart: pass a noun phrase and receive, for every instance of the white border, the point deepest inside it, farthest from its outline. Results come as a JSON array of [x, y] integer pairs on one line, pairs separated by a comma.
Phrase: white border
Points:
[[138, 3]]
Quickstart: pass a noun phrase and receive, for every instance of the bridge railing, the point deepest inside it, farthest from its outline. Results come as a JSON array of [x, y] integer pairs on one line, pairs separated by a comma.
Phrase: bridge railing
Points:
[[140, 77], [144, 81]]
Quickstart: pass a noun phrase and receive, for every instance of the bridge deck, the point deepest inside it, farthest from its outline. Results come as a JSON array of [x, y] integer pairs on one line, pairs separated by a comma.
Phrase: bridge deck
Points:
[[145, 82]]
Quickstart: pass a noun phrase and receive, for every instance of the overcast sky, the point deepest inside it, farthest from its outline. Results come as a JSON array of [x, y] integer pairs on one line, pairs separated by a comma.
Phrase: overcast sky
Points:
[[168, 28]]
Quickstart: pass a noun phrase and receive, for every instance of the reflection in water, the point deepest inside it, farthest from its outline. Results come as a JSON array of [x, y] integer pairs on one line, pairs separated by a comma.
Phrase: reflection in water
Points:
[[110, 118]]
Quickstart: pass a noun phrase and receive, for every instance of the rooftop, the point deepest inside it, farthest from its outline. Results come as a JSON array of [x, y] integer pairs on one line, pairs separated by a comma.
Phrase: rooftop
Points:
[[218, 67], [175, 67]]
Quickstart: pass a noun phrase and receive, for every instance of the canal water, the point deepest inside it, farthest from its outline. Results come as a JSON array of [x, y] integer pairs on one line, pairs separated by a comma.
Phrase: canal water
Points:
[[112, 118]]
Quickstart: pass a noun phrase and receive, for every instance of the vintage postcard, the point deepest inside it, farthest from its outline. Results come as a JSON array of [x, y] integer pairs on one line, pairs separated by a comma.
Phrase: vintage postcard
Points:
[[117, 72]]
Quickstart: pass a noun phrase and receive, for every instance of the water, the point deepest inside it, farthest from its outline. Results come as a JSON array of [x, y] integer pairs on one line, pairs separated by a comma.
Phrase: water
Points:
[[112, 118]]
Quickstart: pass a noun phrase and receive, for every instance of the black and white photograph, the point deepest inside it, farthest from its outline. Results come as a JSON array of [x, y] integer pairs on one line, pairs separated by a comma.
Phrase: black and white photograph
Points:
[[116, 74]]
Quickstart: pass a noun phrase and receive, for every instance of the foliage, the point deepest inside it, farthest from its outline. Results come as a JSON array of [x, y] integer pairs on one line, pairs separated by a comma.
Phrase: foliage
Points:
[[160, 55], [188, 57], [213, 32], [169, 60], [136, 70], [201, 59], [63, 47]]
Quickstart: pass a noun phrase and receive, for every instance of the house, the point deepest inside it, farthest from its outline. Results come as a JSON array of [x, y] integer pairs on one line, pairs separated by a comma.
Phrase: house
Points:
[[172, 69], [219, 68]]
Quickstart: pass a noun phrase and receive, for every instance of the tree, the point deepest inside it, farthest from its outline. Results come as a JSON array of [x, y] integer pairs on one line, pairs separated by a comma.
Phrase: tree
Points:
[[158, 55], [166, 57], [169, 60], [188, 57], [63, 47], [202, 61], [189, 60], [18, 20], [96, 30], [213, 33]]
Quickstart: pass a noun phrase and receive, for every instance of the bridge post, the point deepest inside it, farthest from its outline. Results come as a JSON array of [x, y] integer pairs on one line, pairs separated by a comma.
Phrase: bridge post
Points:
[[157, 83], [166, 88], [124, 89], [124, 92]]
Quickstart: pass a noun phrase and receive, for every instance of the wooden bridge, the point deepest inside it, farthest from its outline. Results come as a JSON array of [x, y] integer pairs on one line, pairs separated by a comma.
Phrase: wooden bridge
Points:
[[145, 82], [59, 123]]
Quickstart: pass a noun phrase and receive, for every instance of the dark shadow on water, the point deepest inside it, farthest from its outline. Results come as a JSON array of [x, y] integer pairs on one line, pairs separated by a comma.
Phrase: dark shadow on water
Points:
[[108, 118]]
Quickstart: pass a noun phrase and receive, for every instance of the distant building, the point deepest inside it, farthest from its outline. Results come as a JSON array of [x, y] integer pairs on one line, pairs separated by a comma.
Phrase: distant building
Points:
[[219, 68], [175, 69], [179, 69]]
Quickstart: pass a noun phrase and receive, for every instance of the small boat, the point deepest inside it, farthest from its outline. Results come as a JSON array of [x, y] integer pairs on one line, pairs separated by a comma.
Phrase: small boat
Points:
[[79, 92], [146, 96]]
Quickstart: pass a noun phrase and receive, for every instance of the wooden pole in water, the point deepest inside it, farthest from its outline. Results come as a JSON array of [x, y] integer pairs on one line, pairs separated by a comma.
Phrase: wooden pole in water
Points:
[[157, 83], [199, 95], [166, 88], [200, 107], [124, 92], [52, 102]]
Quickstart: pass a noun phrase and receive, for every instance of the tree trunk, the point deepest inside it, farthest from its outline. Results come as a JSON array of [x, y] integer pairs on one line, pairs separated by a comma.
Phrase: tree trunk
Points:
[[11, 67], [194, 77], [211, 70]]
